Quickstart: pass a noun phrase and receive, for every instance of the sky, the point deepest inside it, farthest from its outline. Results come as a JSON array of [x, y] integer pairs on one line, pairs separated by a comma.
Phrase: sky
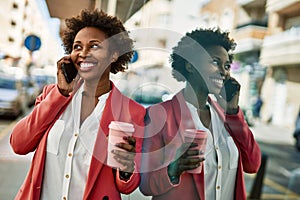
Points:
[[53, 23]]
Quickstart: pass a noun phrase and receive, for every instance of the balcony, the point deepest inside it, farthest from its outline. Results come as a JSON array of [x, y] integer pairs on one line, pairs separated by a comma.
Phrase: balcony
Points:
[[251, 3], [281, 49], [281, 6], [249, 36]]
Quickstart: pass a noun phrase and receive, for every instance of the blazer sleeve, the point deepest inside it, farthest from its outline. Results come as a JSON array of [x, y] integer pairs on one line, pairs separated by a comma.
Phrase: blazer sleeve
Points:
[[243, 137], [154, 177], [137, 113], [28, 132]]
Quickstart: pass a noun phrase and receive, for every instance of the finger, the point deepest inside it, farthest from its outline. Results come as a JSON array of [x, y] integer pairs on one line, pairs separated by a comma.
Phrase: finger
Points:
[[131, 140], [190, 161], [182, 150], [185, 146], [128, 166], [66, 59], [192, 152], [188, 167], [126, 147], [123, 154]]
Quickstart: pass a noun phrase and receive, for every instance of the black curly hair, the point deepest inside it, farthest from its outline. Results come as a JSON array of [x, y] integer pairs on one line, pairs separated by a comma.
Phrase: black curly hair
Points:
[[193, 43], [110, 25]]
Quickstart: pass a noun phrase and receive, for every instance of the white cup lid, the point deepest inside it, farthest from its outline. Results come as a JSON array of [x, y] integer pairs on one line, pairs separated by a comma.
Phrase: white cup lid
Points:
[[122, 126], [194, 133]]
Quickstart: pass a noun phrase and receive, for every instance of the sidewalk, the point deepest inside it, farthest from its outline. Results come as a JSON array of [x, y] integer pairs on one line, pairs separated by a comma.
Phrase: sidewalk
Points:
[[263, 133], [271, 133], [271, 136]]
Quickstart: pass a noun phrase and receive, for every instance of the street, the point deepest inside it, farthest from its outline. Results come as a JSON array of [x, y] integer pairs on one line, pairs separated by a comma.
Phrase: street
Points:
[[281, 178]]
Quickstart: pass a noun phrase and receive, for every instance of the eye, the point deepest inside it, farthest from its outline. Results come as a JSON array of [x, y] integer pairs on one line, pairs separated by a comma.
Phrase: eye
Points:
[[76, 47], [227, 66], [96, 46], [215, 63]]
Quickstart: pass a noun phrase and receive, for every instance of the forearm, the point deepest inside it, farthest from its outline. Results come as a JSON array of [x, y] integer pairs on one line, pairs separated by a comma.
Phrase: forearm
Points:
[[243, 137], [156, 182]]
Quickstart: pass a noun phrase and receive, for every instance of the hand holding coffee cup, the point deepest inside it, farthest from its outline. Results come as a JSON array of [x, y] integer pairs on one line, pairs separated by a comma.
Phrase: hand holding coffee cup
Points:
[[187, 158], [199, 137], [121, 146], [126, 158]]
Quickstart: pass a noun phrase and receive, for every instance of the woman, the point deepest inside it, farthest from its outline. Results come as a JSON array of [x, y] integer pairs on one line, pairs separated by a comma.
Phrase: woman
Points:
[[202, 59], [68, 126]]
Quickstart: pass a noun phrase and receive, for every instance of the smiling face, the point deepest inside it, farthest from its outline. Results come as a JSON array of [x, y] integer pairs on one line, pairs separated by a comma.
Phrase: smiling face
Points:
[[215, 68], [91, 54]]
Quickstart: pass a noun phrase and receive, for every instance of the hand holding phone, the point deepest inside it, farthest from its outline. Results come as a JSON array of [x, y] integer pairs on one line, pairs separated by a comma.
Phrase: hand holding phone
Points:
[[229, 89], [69, 71]]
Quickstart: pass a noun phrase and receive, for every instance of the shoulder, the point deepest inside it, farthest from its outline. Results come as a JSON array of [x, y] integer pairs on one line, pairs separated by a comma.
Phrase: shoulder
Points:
[[47, 89], [160, 111], [127, 105]]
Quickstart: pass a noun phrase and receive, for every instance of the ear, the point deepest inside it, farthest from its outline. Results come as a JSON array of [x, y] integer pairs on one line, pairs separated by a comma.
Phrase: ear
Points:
[[114, 57], [189, 68]]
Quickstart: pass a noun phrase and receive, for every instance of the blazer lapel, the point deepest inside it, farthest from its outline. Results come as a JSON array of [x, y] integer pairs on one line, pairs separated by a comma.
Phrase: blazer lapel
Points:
[[111, 112], [218, 108], [185, 121], [182, 114]]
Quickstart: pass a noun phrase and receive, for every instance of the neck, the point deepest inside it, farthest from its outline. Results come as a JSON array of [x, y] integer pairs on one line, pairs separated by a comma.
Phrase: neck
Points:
[[96, 90], [195, 96]]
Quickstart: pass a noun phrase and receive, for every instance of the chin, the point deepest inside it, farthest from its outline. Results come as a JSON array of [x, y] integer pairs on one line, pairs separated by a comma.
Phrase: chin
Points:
[[215, 91]]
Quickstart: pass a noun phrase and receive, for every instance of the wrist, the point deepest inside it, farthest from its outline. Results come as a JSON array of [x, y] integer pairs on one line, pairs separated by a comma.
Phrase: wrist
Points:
[[174, 179], [63, 92], [173, 176], [232, 111], [124, 175]]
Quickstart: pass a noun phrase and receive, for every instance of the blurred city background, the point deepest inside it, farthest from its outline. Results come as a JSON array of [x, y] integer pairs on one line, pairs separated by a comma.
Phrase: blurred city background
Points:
[[266, 63]]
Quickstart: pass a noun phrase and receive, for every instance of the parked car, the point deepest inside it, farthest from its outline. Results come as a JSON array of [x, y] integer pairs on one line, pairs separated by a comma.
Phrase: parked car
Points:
[[10, 98], [32, 90], [297, 133], [149, 95], [16, 94]]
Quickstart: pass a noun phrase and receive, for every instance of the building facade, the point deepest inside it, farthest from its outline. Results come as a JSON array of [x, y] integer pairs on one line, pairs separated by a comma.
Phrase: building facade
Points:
[[280, 53], [19, 19]]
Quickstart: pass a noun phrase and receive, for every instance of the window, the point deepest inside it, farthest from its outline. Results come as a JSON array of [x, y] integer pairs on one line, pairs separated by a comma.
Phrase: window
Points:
[[10, 39], [13, 23], [15, 5]]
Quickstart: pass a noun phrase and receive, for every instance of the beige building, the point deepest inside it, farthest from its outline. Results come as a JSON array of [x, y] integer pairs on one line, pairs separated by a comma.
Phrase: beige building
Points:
[[18, 19], [267, 33], [281, 54], [246, 20]]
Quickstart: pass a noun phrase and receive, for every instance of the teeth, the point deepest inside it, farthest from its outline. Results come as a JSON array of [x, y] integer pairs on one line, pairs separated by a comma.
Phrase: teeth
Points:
[[85, 65], [219, 81]]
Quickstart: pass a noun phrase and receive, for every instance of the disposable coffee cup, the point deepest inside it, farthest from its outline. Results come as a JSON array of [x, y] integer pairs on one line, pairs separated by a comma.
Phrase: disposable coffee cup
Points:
[[199, 137], [117, 130]]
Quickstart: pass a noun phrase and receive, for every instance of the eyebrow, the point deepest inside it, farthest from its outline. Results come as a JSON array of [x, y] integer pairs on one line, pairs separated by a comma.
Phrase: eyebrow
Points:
[[78, 41], [216, 57]]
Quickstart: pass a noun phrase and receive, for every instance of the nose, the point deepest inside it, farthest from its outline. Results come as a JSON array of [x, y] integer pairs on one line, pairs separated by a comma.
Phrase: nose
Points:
[[84, 53], [223, 71]]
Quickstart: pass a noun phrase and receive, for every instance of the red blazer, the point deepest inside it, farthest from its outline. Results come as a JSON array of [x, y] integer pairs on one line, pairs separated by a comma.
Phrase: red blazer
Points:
[[30, 134], [164, 129]]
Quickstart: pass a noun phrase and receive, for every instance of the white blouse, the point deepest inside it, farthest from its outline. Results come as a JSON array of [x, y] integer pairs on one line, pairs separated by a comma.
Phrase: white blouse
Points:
[[69, 150], [221, 157]]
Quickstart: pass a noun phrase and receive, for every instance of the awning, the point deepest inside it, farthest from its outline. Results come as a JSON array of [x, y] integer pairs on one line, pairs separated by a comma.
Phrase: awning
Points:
[[124, 9]]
